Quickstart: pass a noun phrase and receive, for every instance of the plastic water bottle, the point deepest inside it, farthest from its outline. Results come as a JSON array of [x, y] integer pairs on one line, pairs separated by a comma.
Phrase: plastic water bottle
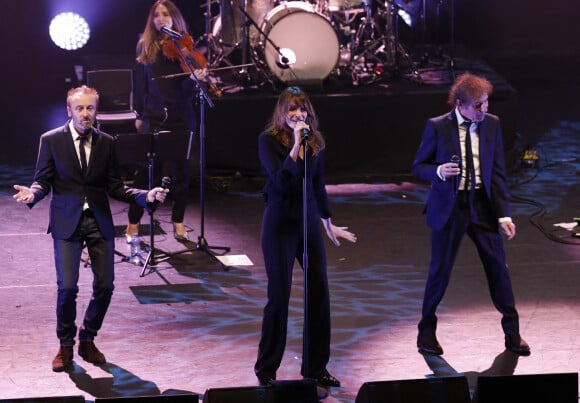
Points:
[[135, 257]]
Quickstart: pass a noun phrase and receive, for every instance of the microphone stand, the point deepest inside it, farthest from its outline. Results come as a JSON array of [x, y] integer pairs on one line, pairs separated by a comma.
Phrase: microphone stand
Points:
[[305, 337], [202, 244], [150, 260]]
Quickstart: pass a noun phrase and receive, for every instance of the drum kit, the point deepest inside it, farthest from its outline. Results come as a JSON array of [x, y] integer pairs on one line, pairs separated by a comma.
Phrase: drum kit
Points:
[[302, 42]]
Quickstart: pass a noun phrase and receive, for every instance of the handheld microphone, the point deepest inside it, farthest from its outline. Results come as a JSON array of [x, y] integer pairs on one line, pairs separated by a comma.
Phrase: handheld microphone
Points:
[[305, 134], [456, 159], [165, 182], [171, 33]]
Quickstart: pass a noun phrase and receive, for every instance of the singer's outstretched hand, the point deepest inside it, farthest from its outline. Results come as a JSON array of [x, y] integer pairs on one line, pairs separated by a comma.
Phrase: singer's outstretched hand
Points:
[[335, 232], [157, 194], [24, 194]]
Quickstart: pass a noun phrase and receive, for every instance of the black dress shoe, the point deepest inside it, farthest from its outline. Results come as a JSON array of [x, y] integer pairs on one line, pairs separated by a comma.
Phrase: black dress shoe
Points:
[[265, 379], [428, 345], [517, 345], [325, 379]]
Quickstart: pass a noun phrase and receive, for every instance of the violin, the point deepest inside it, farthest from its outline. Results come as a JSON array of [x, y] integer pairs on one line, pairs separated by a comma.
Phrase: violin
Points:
[[198, 61]]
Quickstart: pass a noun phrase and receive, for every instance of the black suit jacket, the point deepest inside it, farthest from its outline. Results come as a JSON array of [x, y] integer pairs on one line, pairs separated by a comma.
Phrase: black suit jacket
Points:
[[58, 170], [439, 142]]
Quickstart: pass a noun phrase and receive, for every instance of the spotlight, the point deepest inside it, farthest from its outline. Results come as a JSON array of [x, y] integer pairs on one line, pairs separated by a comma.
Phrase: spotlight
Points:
[[69, 31]]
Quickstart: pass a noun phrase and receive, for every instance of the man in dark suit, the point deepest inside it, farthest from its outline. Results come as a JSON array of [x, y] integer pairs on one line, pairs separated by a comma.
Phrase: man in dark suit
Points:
[[461, 154], [77, 163]]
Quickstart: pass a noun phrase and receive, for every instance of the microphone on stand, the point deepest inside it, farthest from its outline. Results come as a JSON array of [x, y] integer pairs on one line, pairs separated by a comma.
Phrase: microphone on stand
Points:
[[305, 134], [286, 57], [171, 33]]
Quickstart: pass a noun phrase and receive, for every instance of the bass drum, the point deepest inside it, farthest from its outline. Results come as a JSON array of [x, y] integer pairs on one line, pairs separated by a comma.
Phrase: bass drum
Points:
[[308, 44]]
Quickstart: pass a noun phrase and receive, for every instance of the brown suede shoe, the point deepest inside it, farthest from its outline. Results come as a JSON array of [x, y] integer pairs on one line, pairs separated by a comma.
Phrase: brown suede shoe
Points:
[[91, 353], [63, 359]]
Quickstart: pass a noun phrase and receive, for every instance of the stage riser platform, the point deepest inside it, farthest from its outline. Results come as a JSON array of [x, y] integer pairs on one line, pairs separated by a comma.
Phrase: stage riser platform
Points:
[[367, 133]]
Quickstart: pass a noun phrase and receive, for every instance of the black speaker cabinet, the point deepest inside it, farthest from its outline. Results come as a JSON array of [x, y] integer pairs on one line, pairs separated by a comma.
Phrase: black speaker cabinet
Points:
[[181, 398], [544, 388], [302, 391], [52, 399], [434, 390]]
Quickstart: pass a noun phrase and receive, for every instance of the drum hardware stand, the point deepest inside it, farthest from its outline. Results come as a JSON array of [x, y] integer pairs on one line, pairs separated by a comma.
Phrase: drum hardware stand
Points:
[[379, 49], [389, 45], [414, 76], [216, 40], [245, 40], [208, 37], [359, 40], [284, 61], [451, 63], [202, 244]]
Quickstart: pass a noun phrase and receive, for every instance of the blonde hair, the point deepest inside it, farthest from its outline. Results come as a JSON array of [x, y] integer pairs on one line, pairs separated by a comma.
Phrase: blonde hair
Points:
[[83, 89]]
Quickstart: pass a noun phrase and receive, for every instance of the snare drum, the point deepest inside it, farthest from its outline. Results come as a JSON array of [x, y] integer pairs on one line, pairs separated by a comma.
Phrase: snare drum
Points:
[[309, 47]]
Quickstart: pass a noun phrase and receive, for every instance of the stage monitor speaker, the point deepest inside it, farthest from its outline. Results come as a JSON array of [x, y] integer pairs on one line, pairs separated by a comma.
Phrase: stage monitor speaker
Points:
[[302, 391], [180, 398], [553, 388], [51, 399], [433, 390]]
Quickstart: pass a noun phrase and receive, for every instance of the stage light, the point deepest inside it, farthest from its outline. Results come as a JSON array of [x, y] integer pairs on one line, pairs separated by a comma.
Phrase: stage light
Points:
[[69, 31], [408, 10], [406, 17]]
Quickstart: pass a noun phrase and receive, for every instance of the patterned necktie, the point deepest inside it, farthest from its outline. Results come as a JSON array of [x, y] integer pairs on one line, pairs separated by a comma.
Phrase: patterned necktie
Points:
[[82, 140], [470, 167]]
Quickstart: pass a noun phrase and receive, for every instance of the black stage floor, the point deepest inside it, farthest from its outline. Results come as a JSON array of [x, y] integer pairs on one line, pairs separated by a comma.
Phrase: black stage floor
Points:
[[190, 325]]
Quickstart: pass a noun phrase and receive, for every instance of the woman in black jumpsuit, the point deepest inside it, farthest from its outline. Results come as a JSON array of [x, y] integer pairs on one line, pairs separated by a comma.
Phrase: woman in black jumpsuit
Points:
[[282, 159]]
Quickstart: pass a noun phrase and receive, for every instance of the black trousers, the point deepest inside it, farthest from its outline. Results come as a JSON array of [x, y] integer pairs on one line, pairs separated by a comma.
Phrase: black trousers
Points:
[[67, 255], [282, 244], [482, 228]]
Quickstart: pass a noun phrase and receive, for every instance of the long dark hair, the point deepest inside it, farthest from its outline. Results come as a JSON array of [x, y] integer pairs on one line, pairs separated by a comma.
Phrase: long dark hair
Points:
[[149, 42], [294, 97]]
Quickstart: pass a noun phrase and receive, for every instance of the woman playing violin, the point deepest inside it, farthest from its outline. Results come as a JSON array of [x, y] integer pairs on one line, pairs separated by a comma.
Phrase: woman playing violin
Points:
[[164, 101]]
